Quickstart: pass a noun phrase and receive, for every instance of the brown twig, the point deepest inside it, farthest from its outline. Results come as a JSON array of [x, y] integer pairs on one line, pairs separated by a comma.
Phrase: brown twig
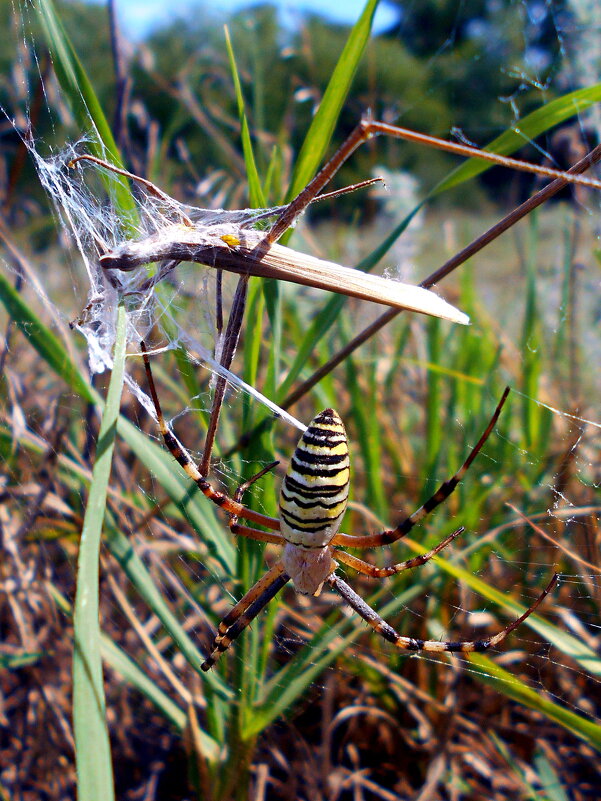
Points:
[[474, 247]]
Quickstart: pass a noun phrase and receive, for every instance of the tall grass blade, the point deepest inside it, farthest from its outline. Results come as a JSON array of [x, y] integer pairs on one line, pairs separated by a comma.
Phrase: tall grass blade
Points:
[[131, 564], [44, 341], [92, 747], [255, 191], [321, 129], [194, 507], [532, 125], [290, 683]]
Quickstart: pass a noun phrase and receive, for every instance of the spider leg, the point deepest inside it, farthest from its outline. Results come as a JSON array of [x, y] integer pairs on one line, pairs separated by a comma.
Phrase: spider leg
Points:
[[254, 533], [245, 531], [412, 644], [390, 570], [181, 455], [441, 494], [245, 611]]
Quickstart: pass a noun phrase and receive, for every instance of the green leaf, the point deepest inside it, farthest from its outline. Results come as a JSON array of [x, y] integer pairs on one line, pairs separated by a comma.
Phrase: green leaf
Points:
[[133, 675], [44, 341], [257, 199], [142, 581], [290, 683], [199, 511], [194, 506], [20, 659], [84, 104]]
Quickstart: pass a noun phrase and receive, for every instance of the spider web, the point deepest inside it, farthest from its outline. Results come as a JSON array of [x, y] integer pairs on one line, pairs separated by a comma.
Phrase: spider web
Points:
[[90, 218], [87, 217]]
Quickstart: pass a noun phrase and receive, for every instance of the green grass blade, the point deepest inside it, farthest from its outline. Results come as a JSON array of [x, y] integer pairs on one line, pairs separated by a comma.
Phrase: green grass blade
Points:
[[85, 105], [114, 656], [290, 683], [255, 191], [506, 683], [121, 548], [133, 675], [196, 509], [20, 659], [549, 778], [44, 341], [532, 125], [529, 127], [92, 747], [321, 129], [566, 643], [123, 552]]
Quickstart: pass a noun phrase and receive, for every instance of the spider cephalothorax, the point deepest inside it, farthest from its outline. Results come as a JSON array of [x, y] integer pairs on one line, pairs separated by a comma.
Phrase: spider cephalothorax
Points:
[[312, 503]]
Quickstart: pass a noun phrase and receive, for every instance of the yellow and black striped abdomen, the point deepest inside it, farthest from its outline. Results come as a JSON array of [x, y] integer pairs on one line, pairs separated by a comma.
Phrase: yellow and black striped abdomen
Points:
[[315, 489]]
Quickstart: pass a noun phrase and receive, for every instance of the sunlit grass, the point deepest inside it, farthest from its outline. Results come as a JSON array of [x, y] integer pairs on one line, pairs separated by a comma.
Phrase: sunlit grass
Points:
[[414, 399]]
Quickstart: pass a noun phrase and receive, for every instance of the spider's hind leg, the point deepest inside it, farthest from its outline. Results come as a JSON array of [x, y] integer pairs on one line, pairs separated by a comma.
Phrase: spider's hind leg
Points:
[[245, 611], [411, 643]]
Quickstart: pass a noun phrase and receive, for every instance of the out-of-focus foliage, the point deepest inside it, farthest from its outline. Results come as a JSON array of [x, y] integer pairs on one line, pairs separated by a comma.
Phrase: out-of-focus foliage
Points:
[[473, 66]]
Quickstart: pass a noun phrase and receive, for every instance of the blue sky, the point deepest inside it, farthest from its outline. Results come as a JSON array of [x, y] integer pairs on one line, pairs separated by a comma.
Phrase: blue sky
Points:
[[139, 16]]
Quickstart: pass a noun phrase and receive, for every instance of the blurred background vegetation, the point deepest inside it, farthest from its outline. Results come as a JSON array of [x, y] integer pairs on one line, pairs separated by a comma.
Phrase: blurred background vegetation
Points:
[[474, 67], [312, 705]]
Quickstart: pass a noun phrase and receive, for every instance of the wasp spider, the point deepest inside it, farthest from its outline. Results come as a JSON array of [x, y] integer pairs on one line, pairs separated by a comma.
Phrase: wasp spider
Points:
[[312, 503]]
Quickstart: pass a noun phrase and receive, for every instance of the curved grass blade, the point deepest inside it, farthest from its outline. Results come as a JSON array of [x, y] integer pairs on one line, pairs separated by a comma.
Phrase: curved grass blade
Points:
[[194, 506], [133, 675], [121, 549], [20, 659], [84, 104], [136, 571], [290, 683], [566, 643], [494, 675], [44, 341], [119, 661]]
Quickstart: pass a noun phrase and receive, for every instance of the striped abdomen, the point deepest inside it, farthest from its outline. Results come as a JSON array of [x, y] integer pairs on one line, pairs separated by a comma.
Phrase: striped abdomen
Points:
[[315, 490]]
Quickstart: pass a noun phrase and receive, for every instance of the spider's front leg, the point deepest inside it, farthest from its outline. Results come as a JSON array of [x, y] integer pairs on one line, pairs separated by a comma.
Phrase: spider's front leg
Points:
[[181, 455], [411, 643], [441, 494]]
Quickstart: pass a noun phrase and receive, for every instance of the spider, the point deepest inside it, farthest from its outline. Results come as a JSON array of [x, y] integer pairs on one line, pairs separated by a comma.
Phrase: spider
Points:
[[312, 503]]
